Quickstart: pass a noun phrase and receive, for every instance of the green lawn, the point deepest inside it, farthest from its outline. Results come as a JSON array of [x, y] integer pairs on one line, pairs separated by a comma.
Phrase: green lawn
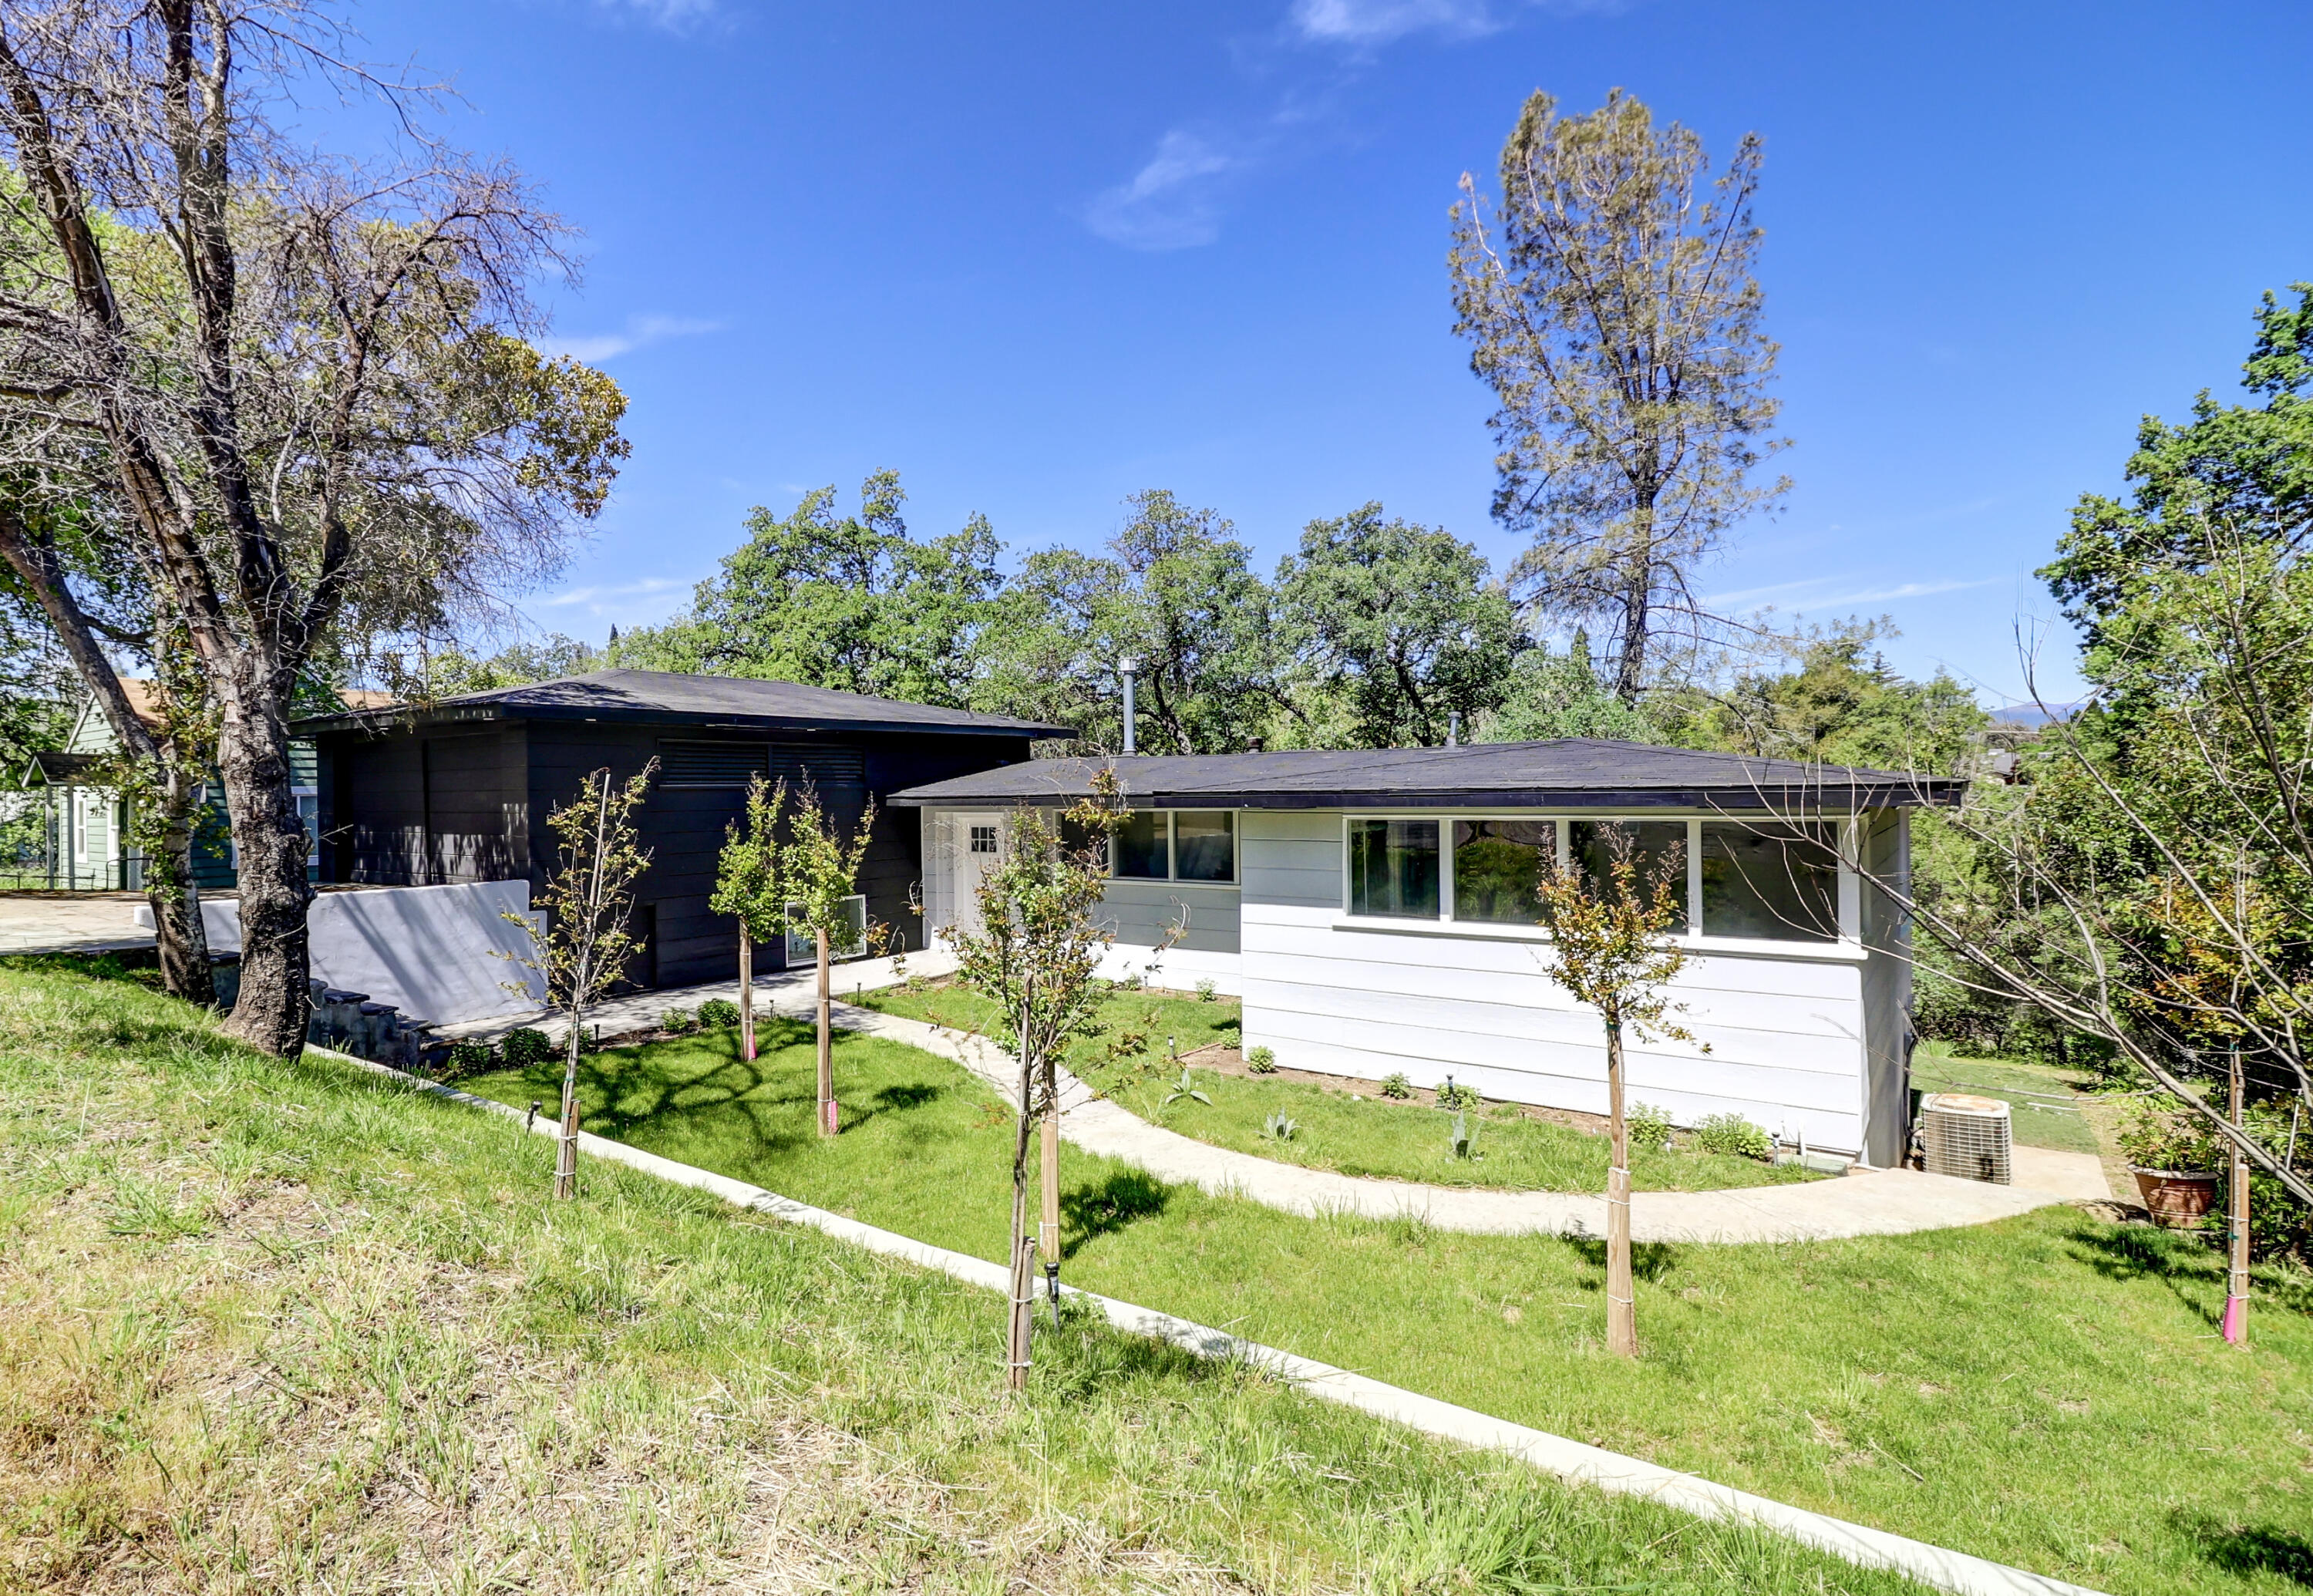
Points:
[[2044, 1100], [290, 1328], [1335, 1129], [2049, 1391]]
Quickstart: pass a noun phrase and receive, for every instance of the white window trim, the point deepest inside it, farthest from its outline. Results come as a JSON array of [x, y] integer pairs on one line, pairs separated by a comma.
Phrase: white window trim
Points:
[[1847, 948], [1172, 876]]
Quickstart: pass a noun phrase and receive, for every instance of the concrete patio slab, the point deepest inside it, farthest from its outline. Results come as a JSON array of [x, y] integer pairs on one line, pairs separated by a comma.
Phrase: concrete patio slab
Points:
[[71, 923]]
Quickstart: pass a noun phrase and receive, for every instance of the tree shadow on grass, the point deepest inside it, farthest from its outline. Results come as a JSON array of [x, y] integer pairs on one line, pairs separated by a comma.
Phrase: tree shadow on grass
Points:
[[1124, 1198], [898, 1100], [1650, 1260], [2180, 1260], [2245, 1550]]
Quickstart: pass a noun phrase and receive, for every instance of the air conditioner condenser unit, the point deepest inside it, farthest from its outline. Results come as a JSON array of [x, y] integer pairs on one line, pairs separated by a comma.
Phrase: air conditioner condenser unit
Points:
[[1966, 1136]]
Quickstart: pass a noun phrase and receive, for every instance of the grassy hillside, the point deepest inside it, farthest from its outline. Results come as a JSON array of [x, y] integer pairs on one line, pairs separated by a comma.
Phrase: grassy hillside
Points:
[[2048, 1391], [286, 1328]]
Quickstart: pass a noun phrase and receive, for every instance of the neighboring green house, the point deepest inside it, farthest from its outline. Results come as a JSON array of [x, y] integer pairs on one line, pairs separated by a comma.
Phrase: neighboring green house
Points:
[[84, 844]]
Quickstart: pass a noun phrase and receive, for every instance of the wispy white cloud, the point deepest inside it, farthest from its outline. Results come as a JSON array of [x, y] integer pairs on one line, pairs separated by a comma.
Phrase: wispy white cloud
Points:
[[674, 15], [1378, 22], [1810, 594], [597, 599], [641, 332], [1172, 202], [1361, 23]]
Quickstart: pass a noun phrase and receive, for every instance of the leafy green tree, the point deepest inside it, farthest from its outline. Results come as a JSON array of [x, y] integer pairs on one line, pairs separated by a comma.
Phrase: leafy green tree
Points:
[[452, 672], [819, 868], [585, 908], [1611, 306], [853, 603], [306, 384], [751, 887], [1611, 946], [1402, 622], [1035, 954], [1176, 591], [1846, 706], [1551, 695]]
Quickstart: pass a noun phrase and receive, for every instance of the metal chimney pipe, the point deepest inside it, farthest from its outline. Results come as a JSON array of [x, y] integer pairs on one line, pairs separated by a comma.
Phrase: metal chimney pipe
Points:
[[1454, 729], [1130, 667]]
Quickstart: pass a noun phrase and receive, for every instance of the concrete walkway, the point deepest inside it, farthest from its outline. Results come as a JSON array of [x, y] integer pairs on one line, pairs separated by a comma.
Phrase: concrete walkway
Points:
[[1877, 1202], [71, 923]]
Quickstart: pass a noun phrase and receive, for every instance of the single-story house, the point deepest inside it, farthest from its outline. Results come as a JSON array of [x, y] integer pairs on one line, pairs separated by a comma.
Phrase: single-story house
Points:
[[87, 840], [1374, 909], [460, 789]]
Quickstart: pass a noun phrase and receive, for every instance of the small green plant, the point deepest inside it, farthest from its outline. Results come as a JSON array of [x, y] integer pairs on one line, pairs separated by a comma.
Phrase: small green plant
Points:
[[2152, 1137], [719, 1011], [1462, 1142], [1395, 1085], [468, 1058], [1733, 1134], [1261, 1060], [677, 1022], [1279, 1128], [1450, 1096], [1649, 1126], [1186, 1086], [1207, 990], [524, 1047]]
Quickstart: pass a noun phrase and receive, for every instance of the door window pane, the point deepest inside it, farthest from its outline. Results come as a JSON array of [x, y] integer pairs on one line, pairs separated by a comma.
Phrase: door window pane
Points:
[[1495, 863], [1658, 849], [1140, 848], [1204, 845], [1769, 880], [1393, 868]]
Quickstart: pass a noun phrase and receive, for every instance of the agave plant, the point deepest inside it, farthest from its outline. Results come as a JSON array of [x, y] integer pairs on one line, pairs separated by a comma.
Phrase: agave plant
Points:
[[1186, 1086], [1279, 1128]]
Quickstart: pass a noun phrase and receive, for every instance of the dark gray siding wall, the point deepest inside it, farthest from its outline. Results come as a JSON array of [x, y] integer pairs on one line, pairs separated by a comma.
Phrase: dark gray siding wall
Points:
[[424, 809]]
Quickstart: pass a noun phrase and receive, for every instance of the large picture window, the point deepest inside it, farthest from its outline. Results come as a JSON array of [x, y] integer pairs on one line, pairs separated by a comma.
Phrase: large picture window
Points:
[[1495, 865], [1176, 845], [1762, 879], [1394, 868]]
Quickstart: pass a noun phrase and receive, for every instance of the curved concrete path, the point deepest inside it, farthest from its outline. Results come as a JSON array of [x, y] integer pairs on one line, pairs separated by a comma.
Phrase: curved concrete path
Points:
[[1879, 1202]]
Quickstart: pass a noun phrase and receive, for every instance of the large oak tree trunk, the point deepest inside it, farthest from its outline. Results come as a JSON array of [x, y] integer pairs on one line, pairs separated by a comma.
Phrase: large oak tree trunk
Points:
[[253, 756]]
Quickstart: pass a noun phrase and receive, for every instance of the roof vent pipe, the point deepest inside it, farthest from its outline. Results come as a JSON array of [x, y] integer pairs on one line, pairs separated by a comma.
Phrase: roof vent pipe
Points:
[[1130, 667]]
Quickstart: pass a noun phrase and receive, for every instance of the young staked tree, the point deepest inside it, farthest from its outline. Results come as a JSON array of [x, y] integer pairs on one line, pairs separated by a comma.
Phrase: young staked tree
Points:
[[751, 887], [1610, 302], [1036, 954], [821, 868], [1610, 947], [587, 904], [304, 381]]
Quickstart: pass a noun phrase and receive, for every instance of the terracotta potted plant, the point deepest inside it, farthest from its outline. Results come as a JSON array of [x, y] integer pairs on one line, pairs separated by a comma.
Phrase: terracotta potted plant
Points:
[[2174, 1162]]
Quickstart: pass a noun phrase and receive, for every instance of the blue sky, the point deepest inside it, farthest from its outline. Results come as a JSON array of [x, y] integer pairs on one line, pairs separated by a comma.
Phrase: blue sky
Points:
[[1037, 257]]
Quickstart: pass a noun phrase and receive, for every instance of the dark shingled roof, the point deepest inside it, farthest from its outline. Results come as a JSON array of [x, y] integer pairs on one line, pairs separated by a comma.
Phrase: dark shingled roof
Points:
[[659, 696], [1570, 773]]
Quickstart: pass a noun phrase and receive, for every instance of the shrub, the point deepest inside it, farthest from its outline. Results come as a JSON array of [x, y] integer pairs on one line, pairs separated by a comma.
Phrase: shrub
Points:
[[1207, 990], [524, 1047], [469, 1057], [1395, 1085], [1261, 1062], [1732, 1133], [717, 1011], [680, 1022], [1649, 1125], [1450, 1096], [2153, 1136]]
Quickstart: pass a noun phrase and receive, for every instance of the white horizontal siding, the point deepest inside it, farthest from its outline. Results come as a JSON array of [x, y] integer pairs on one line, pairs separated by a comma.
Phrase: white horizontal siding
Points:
[[1140, 912], [1785, 1034]]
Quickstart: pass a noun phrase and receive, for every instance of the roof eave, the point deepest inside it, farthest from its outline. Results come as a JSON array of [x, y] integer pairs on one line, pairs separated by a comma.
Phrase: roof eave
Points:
[[1843, 799], [404, 715]]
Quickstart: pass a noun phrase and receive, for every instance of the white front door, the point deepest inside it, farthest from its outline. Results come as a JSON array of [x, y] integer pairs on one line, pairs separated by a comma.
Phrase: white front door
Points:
[[978, 845]]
